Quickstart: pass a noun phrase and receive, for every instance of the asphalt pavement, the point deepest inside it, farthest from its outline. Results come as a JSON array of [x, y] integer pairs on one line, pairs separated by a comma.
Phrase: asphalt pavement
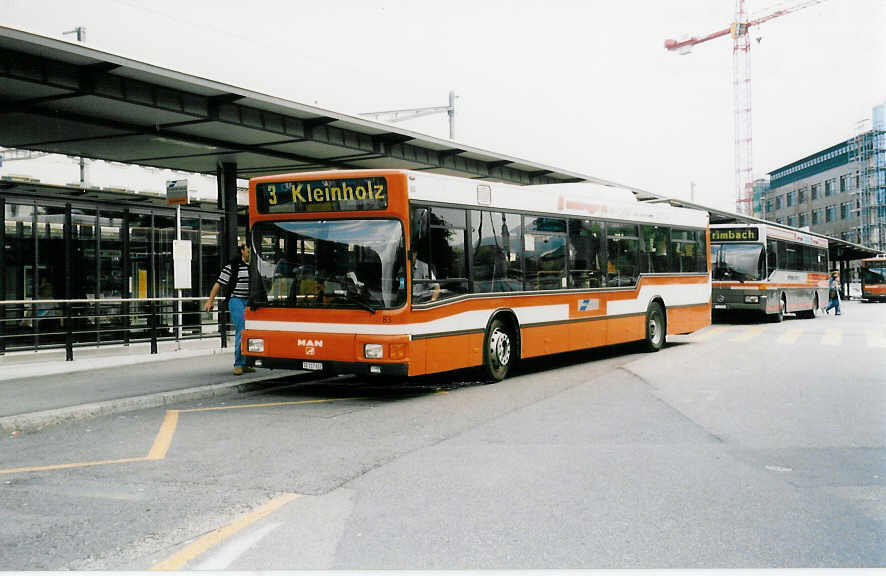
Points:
[[40, 389]]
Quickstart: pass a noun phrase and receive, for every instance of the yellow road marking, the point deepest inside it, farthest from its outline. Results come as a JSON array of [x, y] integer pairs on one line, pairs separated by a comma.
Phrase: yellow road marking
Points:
[[268, 405], [164, 436], [710, 333], [163, 440], [747, 334], [790, 336], [72, 465], [832, 337], [201, 545]]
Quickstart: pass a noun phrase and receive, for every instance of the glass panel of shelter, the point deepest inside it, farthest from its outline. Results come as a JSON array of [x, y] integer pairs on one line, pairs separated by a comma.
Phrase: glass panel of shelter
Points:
[[34, 259], [18, 254], [111, 275], [48, 282]]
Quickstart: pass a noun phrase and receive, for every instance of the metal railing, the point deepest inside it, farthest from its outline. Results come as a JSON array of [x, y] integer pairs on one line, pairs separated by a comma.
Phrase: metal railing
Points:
[[46, 324]]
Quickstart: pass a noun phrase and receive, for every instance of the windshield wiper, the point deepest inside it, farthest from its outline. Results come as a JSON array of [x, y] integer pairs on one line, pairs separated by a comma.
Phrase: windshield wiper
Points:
[[353, 298]]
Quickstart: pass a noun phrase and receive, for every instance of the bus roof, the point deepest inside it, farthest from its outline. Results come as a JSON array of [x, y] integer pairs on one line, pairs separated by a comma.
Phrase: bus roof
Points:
[[580, 199]]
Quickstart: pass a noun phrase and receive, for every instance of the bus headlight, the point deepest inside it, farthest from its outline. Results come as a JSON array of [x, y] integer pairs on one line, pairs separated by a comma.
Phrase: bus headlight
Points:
[[373, 351], [255, 345], [752, 299]]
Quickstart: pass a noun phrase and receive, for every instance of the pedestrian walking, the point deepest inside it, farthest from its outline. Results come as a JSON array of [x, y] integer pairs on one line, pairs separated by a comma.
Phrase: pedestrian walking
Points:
[[234, 279], [833, 294]]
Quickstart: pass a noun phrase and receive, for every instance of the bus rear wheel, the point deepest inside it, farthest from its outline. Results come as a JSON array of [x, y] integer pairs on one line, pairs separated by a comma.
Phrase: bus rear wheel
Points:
[[498, 350], [656, 327]]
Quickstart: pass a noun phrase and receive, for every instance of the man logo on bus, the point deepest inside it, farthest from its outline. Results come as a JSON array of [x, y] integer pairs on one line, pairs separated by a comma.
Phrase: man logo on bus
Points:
[[310, 345]]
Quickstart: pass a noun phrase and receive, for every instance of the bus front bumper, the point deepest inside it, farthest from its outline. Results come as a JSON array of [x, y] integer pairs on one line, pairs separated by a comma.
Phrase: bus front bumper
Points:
[[729, 299], [328, 353], [333, 367]]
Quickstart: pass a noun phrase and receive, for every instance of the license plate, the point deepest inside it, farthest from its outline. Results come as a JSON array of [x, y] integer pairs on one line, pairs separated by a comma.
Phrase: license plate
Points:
[[312, 365], [720, 306]]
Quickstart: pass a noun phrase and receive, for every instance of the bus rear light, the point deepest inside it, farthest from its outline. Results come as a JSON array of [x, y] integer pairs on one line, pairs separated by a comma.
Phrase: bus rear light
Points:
[[373, 351], [397, 351], [255, 345], [752, 299]]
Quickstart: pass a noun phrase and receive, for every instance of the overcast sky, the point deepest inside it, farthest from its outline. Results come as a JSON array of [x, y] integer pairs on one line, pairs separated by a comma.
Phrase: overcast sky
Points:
[[581, 85]]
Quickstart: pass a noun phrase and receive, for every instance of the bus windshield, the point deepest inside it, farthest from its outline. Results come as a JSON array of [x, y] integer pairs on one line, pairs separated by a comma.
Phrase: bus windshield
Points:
[[738, 262], [874, 273], [330, 264]]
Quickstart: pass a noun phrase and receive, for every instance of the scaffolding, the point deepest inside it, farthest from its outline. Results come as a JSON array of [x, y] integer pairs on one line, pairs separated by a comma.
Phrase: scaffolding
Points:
[[868, 151]]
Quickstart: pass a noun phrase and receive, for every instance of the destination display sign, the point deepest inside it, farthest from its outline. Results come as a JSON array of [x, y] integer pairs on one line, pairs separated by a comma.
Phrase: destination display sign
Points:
[[735, 235], [353, 194]]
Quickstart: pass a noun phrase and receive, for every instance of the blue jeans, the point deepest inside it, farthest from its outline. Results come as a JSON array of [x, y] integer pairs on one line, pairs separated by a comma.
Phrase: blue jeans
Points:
[[237, 306], [835, 303]]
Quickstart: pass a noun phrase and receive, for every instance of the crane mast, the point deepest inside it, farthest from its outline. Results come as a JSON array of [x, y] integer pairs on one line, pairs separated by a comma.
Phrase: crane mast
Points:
[[741, 84], [741, 87]]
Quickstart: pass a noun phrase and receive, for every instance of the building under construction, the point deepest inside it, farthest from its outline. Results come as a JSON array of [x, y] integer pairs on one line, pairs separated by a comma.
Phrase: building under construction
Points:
[[839, 191]]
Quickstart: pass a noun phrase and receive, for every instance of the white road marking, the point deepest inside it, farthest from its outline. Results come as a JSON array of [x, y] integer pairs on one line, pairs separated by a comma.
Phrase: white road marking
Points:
[[228, 553]]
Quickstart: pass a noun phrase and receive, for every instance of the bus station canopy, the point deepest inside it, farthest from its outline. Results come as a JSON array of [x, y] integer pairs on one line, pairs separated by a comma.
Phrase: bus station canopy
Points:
[[66, 98]]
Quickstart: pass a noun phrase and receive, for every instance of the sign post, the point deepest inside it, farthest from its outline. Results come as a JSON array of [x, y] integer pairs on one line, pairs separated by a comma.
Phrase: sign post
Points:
[[177, 193]]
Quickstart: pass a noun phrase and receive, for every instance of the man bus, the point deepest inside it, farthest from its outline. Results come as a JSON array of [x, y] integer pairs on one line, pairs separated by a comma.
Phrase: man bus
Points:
[[873, 278], [766, 269], [403, 273]]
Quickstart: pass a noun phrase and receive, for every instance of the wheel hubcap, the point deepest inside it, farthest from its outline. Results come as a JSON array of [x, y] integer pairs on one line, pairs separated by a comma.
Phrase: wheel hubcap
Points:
[[500, 347], [654, 328]]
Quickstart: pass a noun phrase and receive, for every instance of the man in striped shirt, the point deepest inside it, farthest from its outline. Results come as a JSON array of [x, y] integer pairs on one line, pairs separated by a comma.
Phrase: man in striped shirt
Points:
[[237, 293]]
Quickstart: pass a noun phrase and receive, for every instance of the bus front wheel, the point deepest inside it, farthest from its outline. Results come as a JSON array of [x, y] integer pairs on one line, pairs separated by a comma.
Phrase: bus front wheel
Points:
[[498, 350], [655, 327], [782, 310]]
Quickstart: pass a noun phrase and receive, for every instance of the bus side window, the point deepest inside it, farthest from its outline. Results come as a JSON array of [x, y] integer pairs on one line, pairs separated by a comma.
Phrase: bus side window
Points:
[[439, 250], [701, 251], [772, 257], [495, 246], [685, 253], [585, 253], [544, 241], [418, 222], [654, 249], [623, 250]]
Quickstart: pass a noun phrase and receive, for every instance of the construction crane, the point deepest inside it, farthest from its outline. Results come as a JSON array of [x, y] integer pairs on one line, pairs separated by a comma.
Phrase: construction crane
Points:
[[410, 113], [741, 84]]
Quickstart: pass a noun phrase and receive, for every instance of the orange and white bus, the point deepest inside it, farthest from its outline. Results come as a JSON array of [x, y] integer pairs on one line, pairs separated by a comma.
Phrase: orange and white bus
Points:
[[873, 278], [404, 273], [762, 268]]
